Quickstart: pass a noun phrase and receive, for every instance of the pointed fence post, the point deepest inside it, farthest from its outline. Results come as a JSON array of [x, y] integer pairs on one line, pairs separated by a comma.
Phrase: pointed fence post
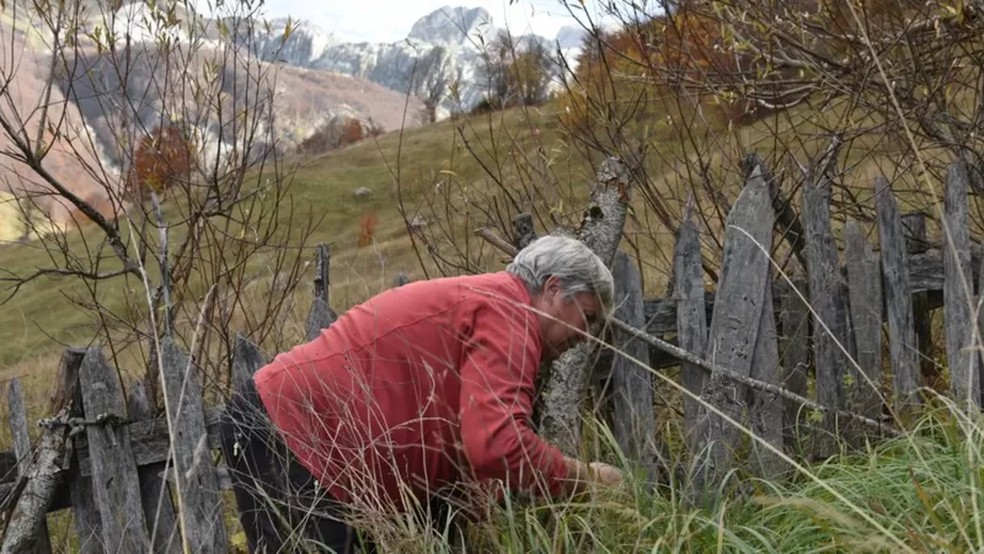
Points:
[[735, 325], [85, 513], [321, 314], [691, 318], [246, 361], [958, 292], [832, 343], [898, 300], [632, 380], [114, 473], [198, 488], [865, 289]]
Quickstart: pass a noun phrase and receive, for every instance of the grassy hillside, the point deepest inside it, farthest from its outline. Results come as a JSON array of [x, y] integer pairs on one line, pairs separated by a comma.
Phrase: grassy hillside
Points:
[[39, 318]]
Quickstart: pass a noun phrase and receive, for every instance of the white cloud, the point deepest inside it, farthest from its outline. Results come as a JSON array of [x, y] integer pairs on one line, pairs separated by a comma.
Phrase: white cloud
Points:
[[391, 20]]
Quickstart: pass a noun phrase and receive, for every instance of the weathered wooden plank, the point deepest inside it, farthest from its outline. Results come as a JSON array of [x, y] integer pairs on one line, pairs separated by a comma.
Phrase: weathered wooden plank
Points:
[[525, 231], [17, 417], [832, 343], [864, 282], [321, 314], [958, 292], [926, 271], [898, 298], [158, 508], [246, 361], [691, 321], [794, 317], [115, 483], [565, 383], [632, 380], [766, 408], [31, 501], [149, 440], [734, 329], [197, 490]]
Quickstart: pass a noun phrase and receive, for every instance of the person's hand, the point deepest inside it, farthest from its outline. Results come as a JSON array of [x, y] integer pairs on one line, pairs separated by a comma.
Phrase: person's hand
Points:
[[606, 474]]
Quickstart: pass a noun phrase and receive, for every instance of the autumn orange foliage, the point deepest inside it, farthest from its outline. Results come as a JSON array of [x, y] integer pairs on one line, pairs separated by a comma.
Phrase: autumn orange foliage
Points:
[[162, 160], [367, 228], [338, 133]]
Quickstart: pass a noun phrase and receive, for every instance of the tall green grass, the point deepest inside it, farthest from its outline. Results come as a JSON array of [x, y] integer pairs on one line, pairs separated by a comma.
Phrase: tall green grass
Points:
[[922, 491]]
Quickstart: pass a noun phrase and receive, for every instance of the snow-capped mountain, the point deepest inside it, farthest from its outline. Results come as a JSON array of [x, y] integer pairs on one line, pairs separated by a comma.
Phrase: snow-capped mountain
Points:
[[453, 26], [445, 49], [304, 44]]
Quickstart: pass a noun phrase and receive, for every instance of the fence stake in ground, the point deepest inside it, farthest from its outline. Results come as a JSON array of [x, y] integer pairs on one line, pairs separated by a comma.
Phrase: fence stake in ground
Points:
[[830, 324], [691, 320], [864, 288], [321, 315], [958, 292], [200, 506], [162, 526], [734, 329], [17, 416], [632, 382], [898, 299], [115, 483]]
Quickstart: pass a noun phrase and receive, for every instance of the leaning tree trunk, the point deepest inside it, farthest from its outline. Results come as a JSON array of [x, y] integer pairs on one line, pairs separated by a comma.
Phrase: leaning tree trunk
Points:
[[36, 488], [566, 380]]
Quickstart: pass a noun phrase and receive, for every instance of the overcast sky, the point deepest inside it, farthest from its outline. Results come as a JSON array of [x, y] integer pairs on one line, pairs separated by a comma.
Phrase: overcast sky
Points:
[[391, 20]]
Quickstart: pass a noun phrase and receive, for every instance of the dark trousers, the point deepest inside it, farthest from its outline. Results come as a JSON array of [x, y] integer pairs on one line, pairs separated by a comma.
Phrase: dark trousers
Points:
[[281, 508]]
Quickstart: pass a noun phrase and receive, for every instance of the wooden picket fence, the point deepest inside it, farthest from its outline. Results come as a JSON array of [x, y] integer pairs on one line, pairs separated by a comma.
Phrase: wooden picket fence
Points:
[[746, 354], [762, 336], [121, 481]]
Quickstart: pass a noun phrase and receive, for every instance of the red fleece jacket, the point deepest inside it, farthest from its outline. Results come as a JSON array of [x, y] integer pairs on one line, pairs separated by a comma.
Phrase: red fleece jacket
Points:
[[423, 385]]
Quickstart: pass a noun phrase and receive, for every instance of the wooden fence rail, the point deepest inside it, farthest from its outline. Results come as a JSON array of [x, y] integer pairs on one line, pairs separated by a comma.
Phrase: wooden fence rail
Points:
[[137, 482]]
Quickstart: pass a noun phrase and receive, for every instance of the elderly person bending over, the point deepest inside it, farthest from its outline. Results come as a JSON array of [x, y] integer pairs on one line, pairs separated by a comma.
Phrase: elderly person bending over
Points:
[[420, 388]]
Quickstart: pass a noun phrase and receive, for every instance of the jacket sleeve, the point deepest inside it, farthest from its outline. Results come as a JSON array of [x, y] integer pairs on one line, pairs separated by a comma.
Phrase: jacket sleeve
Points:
[[498, 371]]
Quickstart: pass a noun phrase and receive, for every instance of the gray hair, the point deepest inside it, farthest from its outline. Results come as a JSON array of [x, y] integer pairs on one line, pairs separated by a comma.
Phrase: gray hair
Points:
[[578, 268]]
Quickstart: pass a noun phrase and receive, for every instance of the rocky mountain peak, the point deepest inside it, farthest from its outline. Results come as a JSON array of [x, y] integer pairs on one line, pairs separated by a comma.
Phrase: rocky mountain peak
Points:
[[451, 25]]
